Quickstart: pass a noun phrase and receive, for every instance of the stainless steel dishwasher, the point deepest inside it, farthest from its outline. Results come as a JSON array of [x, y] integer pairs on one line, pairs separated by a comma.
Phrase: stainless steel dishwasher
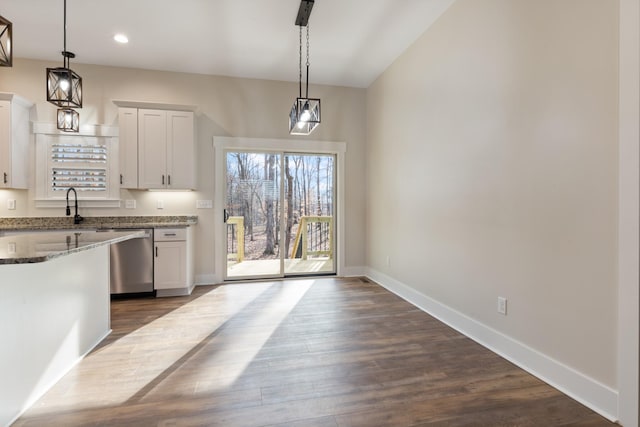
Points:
[[131, 265]]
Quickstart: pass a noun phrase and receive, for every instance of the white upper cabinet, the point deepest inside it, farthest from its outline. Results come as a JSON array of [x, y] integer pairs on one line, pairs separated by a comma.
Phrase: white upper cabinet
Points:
[[157, 148], [14, 141], [152, 149], [128, 147], [180, 150]]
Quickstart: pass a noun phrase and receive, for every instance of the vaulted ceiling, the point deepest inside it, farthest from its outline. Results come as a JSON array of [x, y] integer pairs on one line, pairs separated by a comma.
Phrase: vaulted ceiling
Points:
[[351, 41]]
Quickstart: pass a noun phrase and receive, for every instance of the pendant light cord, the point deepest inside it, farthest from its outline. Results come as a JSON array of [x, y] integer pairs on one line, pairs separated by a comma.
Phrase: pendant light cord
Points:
[[307, 84], [299, 66], [64, 32]]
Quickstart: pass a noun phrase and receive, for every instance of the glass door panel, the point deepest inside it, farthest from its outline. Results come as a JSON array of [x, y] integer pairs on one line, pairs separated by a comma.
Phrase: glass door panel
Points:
[[279, 216], [252, 215], [309, 226]]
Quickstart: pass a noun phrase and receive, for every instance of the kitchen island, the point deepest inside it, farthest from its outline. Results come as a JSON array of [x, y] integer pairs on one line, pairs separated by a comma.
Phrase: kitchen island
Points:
[[54, 308]]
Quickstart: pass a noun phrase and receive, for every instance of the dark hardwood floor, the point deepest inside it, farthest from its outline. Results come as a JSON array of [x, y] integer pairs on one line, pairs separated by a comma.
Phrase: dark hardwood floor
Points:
[[303, 353]]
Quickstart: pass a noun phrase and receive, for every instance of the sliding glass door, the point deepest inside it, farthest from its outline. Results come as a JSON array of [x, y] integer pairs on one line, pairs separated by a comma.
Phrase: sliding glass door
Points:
[[279, 216]]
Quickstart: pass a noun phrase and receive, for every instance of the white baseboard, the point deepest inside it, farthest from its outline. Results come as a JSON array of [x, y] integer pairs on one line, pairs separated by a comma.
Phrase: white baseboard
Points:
[[353, 271], [206, 279], [591, 393]]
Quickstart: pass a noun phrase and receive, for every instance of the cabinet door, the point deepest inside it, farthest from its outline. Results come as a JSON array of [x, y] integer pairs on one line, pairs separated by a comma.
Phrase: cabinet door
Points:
[[128, 147], [152, 148], [181, 149], [170, 265], [5, 144]]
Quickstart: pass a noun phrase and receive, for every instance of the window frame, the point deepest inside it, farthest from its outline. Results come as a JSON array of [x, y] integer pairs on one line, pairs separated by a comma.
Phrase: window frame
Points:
[[46, 135]]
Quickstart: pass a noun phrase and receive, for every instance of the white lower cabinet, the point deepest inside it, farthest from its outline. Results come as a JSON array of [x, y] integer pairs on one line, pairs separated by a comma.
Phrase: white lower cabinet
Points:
[[173, 261]]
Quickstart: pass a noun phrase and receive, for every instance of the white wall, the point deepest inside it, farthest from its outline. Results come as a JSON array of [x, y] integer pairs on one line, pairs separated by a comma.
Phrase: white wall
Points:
[[492, 171], [227, 107]]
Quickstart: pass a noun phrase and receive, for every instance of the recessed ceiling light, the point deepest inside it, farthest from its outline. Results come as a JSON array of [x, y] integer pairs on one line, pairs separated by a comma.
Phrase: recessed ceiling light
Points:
[[121, 38]]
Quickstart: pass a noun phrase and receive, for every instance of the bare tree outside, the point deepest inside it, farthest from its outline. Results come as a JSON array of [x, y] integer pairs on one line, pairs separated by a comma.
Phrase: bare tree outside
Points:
[[254, 199]]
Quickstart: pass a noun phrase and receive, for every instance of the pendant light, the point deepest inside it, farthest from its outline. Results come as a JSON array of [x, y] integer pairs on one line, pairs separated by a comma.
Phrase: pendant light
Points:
[[68, 120], [64, 88], [6, 39], [305, 112]]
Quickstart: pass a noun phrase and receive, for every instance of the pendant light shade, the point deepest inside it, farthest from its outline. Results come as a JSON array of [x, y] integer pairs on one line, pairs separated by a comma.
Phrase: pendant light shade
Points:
[[68, 120], [304, 116], [64, 88], [6, 41]]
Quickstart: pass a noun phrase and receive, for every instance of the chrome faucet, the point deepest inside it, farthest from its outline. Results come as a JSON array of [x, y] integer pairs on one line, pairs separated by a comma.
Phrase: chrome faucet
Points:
[[77, 219]]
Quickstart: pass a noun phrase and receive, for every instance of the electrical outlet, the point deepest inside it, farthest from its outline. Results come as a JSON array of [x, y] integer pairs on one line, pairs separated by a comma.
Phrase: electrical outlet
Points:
[[11, 204], [130, 204], [204, 204], [11, 247], [160, 204], [502, 305]]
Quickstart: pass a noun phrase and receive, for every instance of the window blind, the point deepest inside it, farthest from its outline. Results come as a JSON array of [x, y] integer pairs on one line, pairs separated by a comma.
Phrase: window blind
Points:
[[82, 166]]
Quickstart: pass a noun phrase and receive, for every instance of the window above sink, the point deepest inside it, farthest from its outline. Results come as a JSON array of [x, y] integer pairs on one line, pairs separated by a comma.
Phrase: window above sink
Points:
[[87, 161]]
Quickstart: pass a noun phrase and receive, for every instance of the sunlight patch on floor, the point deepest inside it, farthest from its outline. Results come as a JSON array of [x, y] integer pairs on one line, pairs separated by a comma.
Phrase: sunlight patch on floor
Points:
[[243, 347], [124, 368]]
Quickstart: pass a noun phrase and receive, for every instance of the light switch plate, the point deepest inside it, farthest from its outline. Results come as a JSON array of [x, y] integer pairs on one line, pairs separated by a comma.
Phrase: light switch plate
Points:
[[130, 204], [502, 305], [204, 204], [11, 204], [11, 247], [160, 204]]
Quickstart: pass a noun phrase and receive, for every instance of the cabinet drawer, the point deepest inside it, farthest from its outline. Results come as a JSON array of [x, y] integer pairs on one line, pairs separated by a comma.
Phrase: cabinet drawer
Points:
[[169, 234]]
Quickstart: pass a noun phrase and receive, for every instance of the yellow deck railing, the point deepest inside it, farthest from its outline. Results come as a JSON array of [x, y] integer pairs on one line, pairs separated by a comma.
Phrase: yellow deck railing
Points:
[[321, 243], [238, 222]]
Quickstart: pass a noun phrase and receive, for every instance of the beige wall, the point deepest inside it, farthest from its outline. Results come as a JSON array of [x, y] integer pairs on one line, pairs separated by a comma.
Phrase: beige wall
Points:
[[492, 171], [226, 107]]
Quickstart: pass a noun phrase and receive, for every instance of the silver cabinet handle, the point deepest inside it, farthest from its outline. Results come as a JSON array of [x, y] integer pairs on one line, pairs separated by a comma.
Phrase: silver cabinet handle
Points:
[[162, 179], [169, 234], [169, 179], [120, 179], [156, 252], [6, 179]]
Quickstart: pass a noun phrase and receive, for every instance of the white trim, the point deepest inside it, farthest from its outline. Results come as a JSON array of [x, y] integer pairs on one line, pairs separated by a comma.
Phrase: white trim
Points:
[[85, 130], [271, 144], [175, 292], [628, 213], [206, 279], [222, 143], [43, 193], [82, 203], [354, 271], [154, 105], [13, 98], [578, 386]]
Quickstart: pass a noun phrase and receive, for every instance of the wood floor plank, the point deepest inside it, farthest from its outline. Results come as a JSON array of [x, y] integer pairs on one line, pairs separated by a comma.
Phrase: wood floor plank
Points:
[[313, 353]]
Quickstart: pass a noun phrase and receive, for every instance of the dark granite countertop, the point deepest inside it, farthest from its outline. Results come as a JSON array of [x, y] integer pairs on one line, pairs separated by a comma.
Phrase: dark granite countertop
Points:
[[95, 222], [43, 246]]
